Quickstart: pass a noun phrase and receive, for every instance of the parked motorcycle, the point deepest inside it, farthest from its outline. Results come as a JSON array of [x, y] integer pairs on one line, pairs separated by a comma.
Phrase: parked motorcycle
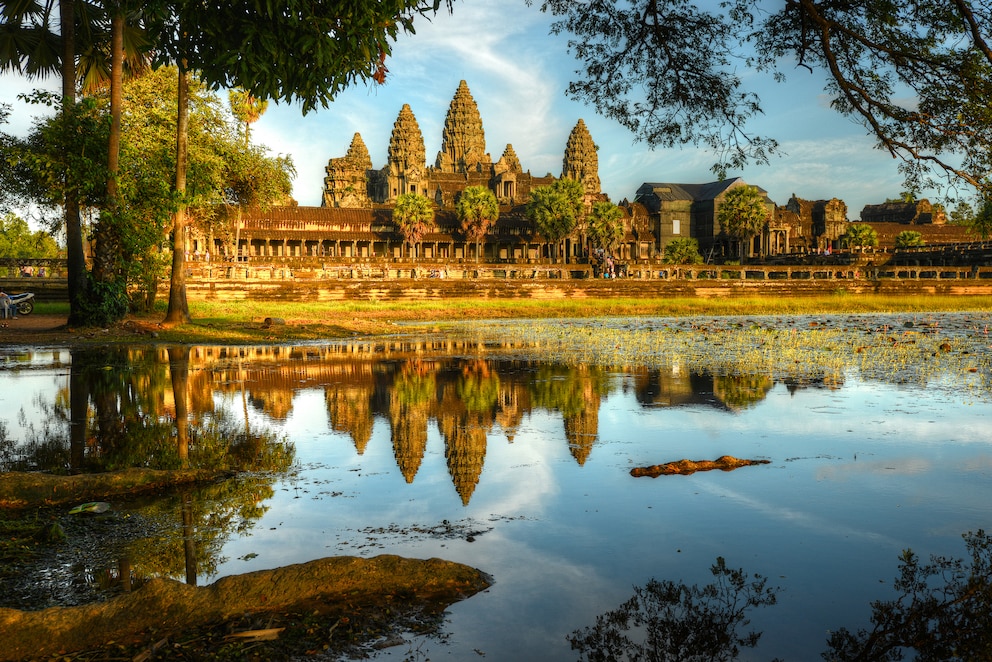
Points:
[[24, 302]]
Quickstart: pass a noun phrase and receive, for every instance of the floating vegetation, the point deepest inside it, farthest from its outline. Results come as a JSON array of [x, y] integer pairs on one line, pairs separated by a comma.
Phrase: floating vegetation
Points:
[[911, 348]]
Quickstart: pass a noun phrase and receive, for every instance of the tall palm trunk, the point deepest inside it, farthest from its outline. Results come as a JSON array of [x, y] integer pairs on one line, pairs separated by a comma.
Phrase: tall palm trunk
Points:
[[179, 372], [76, 258], [116, 102], [178, 311], [106, 267]]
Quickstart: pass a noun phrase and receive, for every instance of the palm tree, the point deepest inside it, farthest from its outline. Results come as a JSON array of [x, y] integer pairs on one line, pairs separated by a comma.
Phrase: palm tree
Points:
[[478, 211], [556, 210], [126, 54], [909, 239], [606, 226], [859, 235], [31, 46], [246, 108], [684, 250], [742, 215], [414, 216]]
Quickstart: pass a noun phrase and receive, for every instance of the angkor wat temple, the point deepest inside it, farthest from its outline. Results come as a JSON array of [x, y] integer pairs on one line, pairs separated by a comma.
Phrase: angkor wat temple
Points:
[[354, 222], [462, 161]]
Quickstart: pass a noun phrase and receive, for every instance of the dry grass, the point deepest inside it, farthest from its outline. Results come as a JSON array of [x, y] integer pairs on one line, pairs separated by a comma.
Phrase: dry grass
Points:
[[307, 321], [243, 322]]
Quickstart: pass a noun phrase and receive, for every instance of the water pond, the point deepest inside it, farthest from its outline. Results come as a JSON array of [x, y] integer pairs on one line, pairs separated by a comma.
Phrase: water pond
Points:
[[509, 447]]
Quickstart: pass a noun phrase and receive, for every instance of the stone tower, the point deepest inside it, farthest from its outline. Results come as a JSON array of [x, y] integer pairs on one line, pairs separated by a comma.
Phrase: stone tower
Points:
[[346, 183], [581, 162], [463, 143], [509, 161], [406, 166], [505, 173]]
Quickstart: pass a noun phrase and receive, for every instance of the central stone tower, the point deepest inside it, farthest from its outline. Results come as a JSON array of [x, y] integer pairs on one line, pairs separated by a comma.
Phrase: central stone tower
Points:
[[463, 142]]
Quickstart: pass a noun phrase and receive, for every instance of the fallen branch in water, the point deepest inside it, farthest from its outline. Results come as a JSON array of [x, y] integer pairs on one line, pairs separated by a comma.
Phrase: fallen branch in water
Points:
[[686, 467]]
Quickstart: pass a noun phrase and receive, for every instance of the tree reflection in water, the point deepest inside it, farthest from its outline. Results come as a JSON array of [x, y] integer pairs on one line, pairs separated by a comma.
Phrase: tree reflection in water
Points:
[[667, 620], [131, 407], [942, 611]]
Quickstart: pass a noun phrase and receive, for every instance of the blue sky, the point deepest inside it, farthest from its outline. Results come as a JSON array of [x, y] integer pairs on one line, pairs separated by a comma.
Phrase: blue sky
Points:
[[518, 74]]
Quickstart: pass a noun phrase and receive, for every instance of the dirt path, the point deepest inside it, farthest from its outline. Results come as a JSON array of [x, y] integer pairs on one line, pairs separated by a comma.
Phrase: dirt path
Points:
[[37, 329]]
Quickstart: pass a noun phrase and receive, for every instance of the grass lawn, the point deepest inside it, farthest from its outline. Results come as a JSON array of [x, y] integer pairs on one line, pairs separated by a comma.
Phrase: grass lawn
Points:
[[244, 321]]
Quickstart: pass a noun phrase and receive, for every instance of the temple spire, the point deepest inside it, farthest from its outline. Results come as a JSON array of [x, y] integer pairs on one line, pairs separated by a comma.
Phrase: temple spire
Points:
[[463, 143], [407, 156], [581, 161]]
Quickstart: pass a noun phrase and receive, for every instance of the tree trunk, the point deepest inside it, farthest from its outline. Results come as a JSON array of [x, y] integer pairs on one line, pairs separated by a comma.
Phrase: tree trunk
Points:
[[116, 101], [179, 371], [76, 258], [178, 311], [79, 401], [108, 246]]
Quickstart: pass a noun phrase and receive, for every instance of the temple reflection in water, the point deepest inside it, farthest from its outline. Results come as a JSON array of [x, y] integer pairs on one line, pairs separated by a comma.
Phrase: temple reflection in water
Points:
[[472, 393]]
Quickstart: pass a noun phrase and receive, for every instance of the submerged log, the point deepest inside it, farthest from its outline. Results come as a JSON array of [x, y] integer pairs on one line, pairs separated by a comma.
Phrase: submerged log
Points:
[[687, 467], [169, 605]]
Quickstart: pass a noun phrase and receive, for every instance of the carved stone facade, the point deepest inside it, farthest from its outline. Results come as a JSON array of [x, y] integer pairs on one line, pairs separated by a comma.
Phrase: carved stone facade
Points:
[[822, 222], [463, 141], [345, 182], [690, 210]]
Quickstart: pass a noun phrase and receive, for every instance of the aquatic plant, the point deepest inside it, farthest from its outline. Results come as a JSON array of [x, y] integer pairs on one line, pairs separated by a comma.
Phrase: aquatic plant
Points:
[[909, 348]]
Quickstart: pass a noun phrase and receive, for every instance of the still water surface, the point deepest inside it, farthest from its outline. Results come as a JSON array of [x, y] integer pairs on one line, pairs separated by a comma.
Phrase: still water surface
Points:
[[483, 454]]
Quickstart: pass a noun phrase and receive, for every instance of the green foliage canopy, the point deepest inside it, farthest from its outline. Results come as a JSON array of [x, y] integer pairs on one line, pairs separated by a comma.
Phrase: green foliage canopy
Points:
[[60, 156], [224, 173], [909, 239], [17, 239], [260, 45], [981, 222], [684, 250], [859, 235], [917, 76]]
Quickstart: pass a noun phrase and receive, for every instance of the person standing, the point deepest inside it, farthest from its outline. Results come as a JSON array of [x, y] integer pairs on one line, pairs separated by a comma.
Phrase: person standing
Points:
[[7, 308]]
